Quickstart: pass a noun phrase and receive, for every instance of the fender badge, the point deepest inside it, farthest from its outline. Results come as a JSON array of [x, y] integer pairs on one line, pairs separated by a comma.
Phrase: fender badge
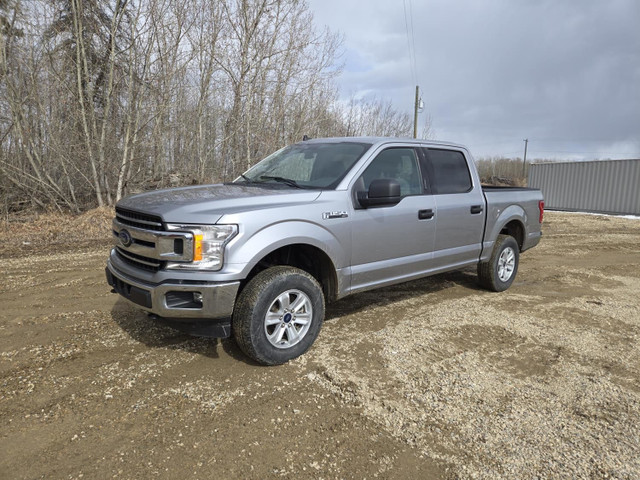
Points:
[[329, 215]]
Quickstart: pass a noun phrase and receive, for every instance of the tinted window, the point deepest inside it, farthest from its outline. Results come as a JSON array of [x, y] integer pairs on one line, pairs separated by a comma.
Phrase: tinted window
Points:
[[400, 164], [449, 171]]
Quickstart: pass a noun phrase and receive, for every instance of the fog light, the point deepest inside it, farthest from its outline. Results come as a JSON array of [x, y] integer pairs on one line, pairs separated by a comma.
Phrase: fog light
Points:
[[197, 297]]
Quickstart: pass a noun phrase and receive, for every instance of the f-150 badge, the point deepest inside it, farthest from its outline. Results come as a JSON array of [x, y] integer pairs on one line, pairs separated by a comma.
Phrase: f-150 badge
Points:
[[328, 215]]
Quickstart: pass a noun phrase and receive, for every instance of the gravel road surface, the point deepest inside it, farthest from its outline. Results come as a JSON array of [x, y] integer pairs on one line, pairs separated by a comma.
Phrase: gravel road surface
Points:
[[429, 379]]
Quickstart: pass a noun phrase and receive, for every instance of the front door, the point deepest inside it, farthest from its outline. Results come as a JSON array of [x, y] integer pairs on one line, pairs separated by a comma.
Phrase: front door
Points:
[[393, 243]]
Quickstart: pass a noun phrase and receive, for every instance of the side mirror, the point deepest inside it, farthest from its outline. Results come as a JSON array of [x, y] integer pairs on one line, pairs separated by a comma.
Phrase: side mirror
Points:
[[382, 192]]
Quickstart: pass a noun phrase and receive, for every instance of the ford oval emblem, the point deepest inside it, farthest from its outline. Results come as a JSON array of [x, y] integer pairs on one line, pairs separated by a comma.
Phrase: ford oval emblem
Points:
[[125, 238]]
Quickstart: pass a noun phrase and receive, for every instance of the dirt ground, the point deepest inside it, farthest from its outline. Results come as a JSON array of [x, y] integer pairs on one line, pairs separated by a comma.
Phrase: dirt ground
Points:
[[429, 379]]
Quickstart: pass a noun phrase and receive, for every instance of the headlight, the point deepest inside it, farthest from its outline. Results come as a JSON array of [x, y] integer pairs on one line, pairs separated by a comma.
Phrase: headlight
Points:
[[208, 246]]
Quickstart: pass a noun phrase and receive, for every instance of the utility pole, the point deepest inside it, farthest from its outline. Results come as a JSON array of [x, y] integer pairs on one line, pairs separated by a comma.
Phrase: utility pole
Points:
[[524, 161], [415, 114]]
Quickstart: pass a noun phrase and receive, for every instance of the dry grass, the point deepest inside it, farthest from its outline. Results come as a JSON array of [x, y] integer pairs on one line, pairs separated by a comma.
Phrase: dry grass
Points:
[[54, 230]]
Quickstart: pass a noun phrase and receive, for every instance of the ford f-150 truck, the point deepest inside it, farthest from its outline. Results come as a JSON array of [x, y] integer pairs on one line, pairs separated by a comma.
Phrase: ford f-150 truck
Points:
[[312, 223]]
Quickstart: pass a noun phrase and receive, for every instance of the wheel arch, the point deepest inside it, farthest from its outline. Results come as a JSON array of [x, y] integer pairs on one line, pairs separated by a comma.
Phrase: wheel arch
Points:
[[515, 228], [309, 258], [510, 221]]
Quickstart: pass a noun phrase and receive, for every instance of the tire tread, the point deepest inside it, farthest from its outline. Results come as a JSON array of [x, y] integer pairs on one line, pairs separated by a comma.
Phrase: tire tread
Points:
[[487, 272], [243, 321]]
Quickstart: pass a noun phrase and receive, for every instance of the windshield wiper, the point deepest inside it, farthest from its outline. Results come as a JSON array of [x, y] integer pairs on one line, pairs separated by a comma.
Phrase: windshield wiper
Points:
[[247, 179], [287, 181]]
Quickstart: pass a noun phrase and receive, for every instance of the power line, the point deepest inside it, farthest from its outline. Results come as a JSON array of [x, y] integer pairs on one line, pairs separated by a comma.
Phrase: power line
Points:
[[412, 62], [413, 40]]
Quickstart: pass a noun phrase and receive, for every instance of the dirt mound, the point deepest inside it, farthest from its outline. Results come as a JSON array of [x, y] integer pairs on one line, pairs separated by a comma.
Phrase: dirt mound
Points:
[[95, 223], [54, 231]]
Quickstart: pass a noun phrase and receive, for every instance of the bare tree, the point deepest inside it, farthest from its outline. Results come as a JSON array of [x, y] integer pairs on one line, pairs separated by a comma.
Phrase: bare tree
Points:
[[102, 98], [373, 116]]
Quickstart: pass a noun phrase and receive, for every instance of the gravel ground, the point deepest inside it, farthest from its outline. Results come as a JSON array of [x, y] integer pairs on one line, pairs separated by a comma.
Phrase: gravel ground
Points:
[[429, 379]]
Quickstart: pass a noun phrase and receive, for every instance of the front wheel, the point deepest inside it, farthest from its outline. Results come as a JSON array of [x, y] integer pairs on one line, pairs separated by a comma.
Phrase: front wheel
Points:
[[278, 315], [498, 273]]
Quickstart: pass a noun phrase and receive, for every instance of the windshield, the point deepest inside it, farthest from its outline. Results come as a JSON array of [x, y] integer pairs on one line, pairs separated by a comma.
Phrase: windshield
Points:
[[307, 165]]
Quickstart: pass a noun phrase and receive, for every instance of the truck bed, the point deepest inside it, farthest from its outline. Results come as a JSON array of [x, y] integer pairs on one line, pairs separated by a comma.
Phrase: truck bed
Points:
[[501, 199], [505, 188]]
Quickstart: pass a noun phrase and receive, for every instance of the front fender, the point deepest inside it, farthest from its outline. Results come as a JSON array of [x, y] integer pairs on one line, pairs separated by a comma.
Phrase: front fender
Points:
[[244, 254]]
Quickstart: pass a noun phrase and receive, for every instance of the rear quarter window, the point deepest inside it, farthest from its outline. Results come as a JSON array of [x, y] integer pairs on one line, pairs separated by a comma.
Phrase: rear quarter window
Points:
[[449, 171]]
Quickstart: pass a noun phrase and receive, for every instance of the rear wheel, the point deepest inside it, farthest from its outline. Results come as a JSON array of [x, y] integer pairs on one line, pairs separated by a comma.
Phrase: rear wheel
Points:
[[278, 315], [500, 270]]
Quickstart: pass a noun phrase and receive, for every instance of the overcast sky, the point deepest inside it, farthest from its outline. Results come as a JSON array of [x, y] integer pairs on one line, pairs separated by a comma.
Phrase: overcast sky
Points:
[[563, 73]]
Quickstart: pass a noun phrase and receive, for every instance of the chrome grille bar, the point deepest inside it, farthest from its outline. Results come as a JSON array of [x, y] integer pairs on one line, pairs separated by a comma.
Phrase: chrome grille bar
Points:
[[137, 259], [154, 245], [139, 219]]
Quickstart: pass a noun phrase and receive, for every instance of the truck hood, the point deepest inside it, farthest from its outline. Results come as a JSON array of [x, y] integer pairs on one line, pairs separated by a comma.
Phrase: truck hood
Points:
[[205, 204]]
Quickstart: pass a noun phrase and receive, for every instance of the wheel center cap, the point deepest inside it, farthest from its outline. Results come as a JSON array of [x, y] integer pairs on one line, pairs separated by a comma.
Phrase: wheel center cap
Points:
[[287, 317]]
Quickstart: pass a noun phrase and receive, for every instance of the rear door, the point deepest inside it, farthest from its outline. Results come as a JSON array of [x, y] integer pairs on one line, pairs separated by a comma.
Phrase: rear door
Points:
[[394, 242], [460, 207]]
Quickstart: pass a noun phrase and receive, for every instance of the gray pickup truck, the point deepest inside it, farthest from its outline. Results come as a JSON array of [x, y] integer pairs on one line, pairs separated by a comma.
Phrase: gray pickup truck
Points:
[[312, 223]]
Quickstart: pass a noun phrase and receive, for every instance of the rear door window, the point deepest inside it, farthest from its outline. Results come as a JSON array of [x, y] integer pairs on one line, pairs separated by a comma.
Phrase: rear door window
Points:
[[448, 171]]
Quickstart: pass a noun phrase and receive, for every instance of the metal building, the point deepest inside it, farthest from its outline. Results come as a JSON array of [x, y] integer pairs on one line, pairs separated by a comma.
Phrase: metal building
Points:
[[602, 186]]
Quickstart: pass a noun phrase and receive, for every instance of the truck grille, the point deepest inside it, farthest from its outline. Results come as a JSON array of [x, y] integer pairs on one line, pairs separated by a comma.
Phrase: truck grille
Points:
[[139, 220], [139, 261], [142, 241]]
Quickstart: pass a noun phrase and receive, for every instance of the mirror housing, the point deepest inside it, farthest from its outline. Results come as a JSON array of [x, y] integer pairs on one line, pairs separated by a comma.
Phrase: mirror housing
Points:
[[383, 192]]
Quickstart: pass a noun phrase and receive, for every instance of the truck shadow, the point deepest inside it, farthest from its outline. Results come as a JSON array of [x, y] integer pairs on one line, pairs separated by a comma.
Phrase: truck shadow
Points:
[[397, 293], [154, 334]]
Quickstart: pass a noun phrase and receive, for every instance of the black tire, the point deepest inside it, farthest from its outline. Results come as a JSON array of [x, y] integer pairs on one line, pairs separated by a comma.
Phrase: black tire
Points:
[[489, 273], [261, 297]]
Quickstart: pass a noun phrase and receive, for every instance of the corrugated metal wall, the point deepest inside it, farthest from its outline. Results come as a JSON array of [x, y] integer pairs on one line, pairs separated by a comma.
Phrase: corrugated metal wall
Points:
[[606, 186]]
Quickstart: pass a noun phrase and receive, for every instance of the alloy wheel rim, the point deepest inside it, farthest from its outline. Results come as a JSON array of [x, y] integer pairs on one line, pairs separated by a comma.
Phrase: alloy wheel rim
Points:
[[506, 264], [288, 319]]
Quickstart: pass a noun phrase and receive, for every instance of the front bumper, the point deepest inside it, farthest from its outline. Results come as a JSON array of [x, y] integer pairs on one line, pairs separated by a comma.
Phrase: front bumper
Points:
[[176, 301]]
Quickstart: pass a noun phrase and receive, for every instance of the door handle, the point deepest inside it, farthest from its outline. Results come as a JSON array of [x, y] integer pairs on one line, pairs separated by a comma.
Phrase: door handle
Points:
[[425, 214], [476, 209]]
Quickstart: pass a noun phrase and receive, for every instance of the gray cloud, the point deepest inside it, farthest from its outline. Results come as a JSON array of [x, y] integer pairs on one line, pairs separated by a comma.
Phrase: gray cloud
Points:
[[563, 73]]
